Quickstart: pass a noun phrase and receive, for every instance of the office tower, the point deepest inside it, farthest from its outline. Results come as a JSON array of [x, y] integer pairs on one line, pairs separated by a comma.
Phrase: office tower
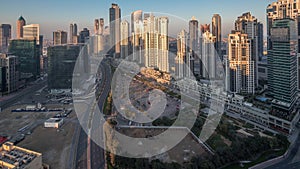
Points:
[[208, 54], [32, 31], [28, 53], [124, 39], [75, 29], [282, 62], [136, 17], [61, 61], [73, 33], [156, 43], [5, 36], [146, 15], [217, 32], [136, 35], [193, 44], [239, 66], [193, 31], [137, 42], [182, 59], [83, 35], [281, 10], [163, 44], [204, 28], [248, 24], [11, 77], [150, 42], [20, 23], [114, 27], [101, 26], [60, 37], [96, 26]]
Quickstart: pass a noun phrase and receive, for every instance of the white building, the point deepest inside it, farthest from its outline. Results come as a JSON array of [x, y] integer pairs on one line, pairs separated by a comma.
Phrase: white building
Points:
[[53, 123], [183, 56], [156, 43], [208, 55], [239, 66], [32, 32], [124, 39]]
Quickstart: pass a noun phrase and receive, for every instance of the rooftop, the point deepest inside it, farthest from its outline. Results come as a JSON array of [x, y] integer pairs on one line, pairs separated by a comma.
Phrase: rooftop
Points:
[[12, 156]]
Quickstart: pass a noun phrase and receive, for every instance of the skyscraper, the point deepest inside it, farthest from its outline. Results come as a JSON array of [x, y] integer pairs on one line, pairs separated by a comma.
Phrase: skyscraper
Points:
[[32, 31], [136, 17], [61, 61], [83, 35], [101, 26], [208, 54], [239, 66], [136, 35], [11, 77], [5, 36], [182, 59], [193, 44], [248, 24], [217, 32], [114, 24], [73, 33], [20, 23], [156, 43], [282, 62], [124, 38], [60, 37], [28, 53], [163, 44], [96, 27], [281, 10], [204, 28]]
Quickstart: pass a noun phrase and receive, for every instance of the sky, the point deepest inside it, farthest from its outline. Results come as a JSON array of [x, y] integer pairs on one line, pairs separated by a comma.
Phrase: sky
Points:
[[58, 14]]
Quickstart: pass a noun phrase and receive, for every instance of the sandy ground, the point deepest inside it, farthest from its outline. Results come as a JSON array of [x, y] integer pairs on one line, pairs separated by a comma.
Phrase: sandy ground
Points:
[[52, 143]]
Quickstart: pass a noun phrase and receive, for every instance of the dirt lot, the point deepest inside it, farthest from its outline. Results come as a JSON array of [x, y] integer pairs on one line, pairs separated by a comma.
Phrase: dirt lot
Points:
[[52, 143], [187, 148]]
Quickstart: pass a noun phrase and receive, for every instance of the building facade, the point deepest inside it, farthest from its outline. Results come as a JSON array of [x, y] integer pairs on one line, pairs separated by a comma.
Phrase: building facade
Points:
[[182, 60], [9, 79], [217, 32], [193, 44], [28, 53], [60, 37], [239, 67], [114, 25], [282, 9], [32, 31], [124, 39], [248, 24], [282, 63], [61, 62], [5, 36], [208, 55], [20, 23], [156, 43]]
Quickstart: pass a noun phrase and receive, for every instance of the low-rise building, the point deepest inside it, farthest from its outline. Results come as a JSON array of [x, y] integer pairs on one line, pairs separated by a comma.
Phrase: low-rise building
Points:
[[14, 157], [53, 123]]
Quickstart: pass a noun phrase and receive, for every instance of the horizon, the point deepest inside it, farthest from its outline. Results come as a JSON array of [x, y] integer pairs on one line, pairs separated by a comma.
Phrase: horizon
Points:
[[50, 24]]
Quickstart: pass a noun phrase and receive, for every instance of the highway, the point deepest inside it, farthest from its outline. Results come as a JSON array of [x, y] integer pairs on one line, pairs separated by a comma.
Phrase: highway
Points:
[[89, 154]]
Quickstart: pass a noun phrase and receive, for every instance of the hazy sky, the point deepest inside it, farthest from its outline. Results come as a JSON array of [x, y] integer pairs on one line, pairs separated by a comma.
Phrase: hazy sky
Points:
[[58, 14]]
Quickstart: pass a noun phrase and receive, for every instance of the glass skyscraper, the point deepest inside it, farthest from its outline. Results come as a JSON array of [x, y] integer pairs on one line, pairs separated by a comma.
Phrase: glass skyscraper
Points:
[[282, 63]]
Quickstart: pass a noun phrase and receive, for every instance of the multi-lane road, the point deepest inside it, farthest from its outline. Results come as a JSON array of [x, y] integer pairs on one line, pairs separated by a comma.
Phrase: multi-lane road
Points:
[[89, 154]]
